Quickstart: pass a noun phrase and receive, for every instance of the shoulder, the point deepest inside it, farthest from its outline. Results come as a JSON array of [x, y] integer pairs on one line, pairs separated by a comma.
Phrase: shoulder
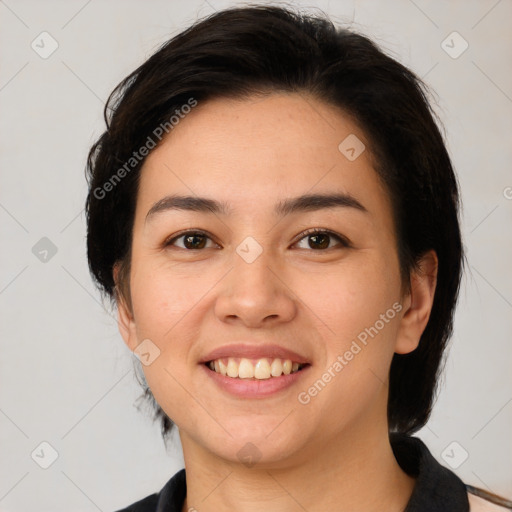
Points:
[[483, 501], [170, 498], [437, 487]]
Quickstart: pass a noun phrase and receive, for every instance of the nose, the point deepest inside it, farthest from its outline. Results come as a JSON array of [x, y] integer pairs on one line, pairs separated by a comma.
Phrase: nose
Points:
[[256, 294]]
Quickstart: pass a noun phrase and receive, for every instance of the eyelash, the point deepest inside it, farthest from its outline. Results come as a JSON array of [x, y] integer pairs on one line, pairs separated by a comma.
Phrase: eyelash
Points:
[[344, 242]]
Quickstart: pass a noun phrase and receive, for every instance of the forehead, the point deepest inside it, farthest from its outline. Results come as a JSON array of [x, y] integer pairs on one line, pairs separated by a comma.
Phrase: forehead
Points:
[[256, 151]]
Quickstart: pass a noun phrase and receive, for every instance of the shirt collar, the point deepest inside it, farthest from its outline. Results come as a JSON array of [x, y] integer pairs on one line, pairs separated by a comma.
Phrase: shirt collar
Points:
[[437, 489]]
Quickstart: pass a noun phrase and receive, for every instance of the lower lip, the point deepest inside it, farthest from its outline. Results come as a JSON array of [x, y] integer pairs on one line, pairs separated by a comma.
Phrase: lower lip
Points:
[[255, 388]]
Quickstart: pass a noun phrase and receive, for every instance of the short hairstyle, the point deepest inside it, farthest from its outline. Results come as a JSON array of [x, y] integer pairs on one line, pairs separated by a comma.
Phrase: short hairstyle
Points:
[[239, 52]]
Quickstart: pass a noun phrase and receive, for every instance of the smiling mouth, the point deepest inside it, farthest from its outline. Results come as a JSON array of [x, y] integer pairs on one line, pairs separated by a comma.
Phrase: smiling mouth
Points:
[[260, 369]]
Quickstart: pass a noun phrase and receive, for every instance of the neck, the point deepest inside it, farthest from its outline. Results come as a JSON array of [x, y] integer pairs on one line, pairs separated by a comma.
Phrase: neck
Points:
[[354, 470]]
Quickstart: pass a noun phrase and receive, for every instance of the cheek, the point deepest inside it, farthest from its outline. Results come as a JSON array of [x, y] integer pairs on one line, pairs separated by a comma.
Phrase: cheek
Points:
[[353, 296], [163, 297], [352, 379], [359, 304], [164, 302]]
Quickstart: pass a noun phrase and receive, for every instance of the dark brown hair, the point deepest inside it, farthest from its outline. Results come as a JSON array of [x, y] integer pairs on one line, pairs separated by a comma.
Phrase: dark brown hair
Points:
[[261, 49]]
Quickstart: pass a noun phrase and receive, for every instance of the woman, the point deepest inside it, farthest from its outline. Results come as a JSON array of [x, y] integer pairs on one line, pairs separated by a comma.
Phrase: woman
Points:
[[274, 213]]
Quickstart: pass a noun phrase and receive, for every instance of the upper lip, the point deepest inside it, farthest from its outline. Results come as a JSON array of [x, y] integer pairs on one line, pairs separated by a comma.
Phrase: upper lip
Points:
[[254, 352]]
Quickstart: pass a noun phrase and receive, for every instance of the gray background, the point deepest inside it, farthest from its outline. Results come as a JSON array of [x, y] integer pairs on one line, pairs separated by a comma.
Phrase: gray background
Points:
[[67, 377]]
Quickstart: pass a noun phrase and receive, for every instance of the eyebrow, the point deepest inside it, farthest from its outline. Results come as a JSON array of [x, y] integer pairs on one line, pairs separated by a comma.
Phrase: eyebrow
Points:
[[304, 203]]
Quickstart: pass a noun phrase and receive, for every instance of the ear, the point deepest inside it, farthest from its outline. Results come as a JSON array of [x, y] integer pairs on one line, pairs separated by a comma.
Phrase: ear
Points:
[[125, 319], [418, 304]]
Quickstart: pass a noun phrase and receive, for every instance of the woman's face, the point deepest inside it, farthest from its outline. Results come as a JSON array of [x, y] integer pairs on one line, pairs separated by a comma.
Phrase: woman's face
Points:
[[254, 285]]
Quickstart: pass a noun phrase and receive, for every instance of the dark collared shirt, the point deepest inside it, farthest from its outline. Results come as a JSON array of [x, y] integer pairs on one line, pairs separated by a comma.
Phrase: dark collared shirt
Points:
[[437, 489]]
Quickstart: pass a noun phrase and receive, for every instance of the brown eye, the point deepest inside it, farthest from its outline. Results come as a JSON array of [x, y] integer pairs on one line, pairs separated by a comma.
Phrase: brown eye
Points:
[[192, 240], [321, 240]]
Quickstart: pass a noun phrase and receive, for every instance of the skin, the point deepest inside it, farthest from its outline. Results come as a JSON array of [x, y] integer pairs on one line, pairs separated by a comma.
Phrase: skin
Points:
[[252, 153]]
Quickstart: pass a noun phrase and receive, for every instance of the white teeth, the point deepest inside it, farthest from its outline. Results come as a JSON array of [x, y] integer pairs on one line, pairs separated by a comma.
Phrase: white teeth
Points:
[[232, 368], [245, 369], [276, 368], [263, 369]]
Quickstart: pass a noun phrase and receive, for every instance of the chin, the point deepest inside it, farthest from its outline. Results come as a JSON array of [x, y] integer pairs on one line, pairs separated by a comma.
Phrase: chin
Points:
[[257, 442]]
